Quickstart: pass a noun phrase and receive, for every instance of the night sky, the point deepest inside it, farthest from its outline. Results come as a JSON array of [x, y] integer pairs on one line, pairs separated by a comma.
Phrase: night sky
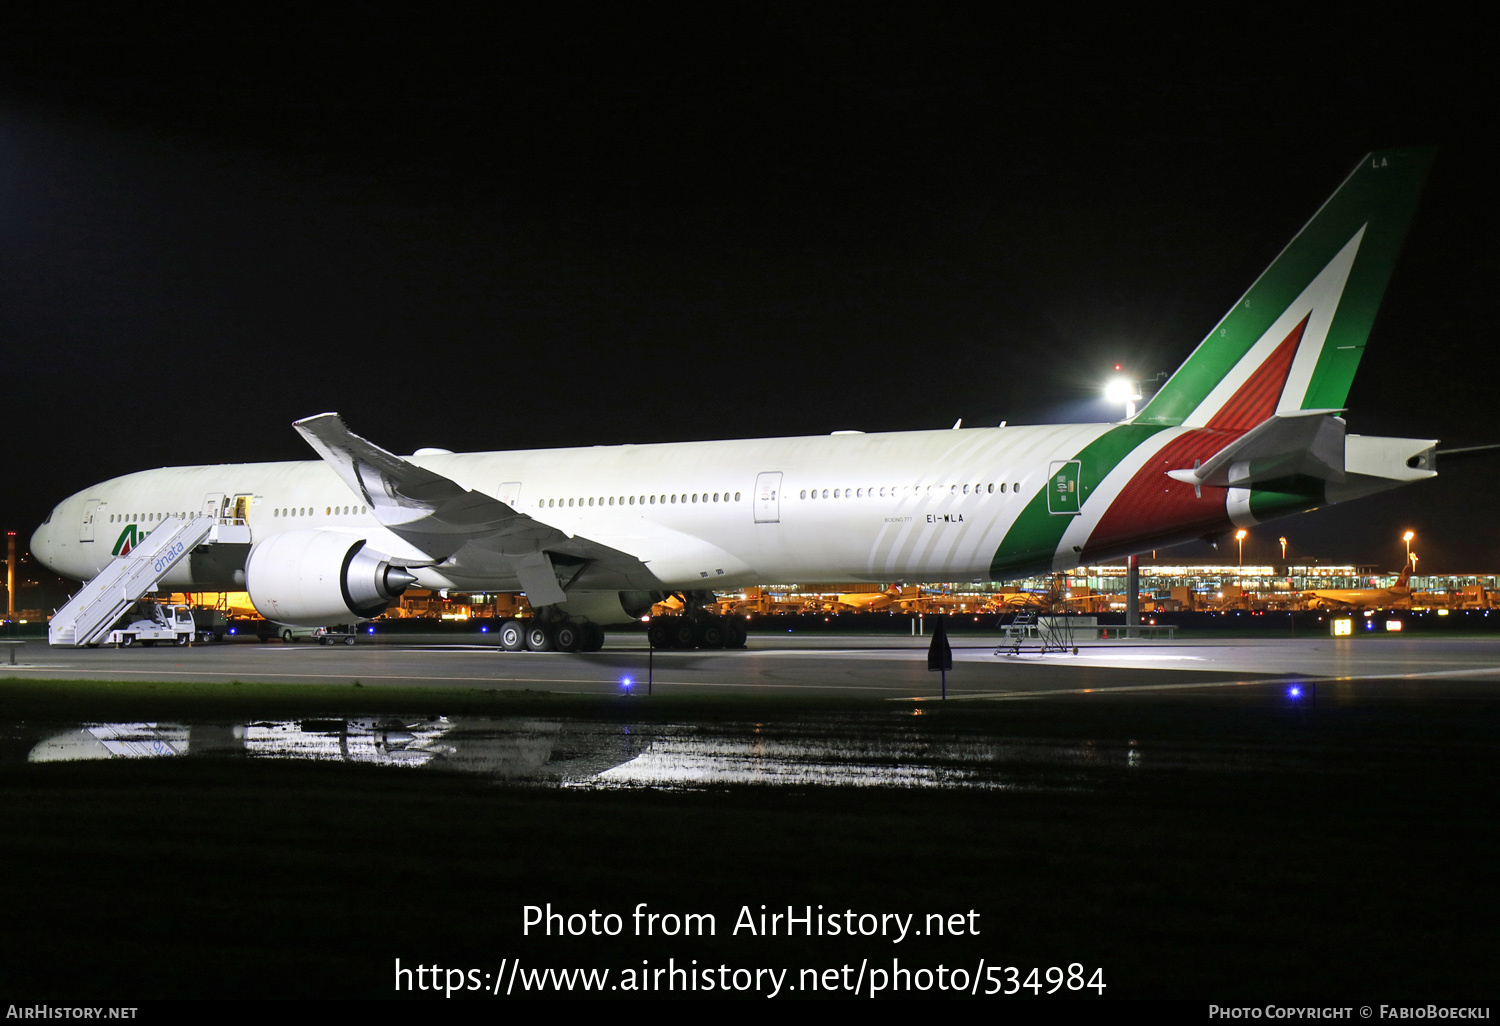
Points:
[[726, 221]]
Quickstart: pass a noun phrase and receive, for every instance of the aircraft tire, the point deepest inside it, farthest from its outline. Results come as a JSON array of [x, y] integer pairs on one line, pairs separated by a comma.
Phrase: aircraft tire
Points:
[[709, 634], [683, 634], [539, 639], [740, 633], [593, 637], [513, 636], [659, 634], [569, 637]]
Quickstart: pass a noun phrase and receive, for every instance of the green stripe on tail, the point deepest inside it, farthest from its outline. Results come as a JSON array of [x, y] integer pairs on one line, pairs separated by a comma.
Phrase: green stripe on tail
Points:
[[1381, 193]]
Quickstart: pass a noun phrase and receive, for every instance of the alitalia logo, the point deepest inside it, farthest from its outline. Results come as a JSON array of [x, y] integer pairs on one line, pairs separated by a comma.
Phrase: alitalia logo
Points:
[[129, 539]]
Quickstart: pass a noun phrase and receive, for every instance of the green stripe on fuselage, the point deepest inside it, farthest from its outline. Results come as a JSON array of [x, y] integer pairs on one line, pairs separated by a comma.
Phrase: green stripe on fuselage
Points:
[[1031, 543]]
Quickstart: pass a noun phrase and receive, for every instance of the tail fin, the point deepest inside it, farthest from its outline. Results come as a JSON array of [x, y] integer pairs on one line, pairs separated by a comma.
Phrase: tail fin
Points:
[[1293, 341], [1404, 581]]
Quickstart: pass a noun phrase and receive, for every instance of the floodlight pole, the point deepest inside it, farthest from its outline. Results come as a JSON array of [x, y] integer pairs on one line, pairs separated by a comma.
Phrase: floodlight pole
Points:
[[1132, 594], [10, 575]]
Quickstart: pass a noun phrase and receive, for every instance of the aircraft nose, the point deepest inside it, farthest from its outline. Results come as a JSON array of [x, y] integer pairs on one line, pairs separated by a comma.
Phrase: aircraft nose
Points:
[[41, 543]]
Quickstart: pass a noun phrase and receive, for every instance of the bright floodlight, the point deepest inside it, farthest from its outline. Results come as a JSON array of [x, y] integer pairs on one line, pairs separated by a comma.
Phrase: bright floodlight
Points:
[[1121, 390]]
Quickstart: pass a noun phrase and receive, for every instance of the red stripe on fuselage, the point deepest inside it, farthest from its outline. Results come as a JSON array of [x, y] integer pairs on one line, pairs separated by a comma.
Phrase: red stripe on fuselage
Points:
[[1153, 506]]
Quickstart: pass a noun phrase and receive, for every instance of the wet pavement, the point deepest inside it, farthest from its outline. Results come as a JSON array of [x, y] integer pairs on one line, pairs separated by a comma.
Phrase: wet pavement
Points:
[[860, 666]]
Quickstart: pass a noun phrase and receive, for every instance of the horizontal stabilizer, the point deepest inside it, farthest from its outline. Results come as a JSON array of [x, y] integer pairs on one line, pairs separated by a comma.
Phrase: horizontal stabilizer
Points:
[[1308, 442]]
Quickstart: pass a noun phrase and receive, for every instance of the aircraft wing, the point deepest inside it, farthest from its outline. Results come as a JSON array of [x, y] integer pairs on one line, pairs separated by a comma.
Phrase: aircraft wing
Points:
[[446, 521]]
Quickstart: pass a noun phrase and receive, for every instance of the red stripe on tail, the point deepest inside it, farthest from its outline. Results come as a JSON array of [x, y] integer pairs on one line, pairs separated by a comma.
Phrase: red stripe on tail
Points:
[[1256, 399]]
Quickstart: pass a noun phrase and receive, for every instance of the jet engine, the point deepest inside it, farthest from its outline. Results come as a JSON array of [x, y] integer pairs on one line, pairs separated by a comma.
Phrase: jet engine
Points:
[[315, 578]]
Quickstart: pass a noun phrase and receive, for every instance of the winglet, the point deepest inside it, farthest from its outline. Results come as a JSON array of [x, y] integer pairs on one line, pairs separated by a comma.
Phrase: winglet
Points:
[[399, 492]]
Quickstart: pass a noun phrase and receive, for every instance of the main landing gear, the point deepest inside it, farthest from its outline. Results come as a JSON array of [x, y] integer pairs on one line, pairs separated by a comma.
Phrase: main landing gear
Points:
[[706, 632], [551, 636]]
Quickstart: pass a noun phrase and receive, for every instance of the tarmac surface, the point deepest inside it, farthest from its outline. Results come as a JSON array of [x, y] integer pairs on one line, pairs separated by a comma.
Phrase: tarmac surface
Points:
[[893, 667]]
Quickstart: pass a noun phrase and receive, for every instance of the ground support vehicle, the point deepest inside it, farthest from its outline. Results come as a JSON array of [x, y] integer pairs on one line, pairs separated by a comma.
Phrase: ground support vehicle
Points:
[[172, 624]]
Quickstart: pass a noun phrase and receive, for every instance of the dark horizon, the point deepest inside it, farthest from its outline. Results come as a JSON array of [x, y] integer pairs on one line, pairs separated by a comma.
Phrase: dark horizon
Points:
[[599, 229]]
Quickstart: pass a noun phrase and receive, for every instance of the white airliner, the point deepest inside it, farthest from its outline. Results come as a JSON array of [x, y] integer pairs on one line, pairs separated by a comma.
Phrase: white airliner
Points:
[[1247, 429]]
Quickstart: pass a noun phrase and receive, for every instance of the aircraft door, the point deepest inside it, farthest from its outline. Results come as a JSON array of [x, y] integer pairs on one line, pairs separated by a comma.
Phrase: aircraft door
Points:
[[768, 497], [213, 505], [91, 513], [510, 493], [242, 509]]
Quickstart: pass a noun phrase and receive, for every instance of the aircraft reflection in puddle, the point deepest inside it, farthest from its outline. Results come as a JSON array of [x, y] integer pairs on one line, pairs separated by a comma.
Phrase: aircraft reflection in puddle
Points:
[[514, 749], [613, 755]]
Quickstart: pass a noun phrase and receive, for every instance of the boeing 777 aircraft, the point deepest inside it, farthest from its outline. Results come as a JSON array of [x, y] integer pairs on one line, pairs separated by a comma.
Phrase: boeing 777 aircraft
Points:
[[1397, 596], [1247, 429]]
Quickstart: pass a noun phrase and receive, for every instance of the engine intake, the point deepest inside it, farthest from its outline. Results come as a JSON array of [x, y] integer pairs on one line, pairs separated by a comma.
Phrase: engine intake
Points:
[[316, 578]]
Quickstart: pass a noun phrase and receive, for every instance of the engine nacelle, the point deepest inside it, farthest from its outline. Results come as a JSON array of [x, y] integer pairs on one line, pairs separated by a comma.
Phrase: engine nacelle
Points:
[[610, 608], [316, 578]]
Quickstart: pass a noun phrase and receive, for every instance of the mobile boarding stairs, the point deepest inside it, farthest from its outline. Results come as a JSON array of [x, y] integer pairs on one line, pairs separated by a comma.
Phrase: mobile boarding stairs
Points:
[[99, 604]]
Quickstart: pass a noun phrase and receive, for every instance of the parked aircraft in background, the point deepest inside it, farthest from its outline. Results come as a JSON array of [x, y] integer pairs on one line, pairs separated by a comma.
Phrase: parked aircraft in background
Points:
[[871, 601], [1397, 596], [1247, 429]]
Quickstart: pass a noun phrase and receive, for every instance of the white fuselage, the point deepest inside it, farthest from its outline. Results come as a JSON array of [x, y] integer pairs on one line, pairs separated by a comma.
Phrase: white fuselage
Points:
[[922, 505]]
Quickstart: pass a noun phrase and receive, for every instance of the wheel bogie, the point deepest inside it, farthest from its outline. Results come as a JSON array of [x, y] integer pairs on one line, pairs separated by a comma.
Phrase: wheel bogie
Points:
[[705, 632]]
